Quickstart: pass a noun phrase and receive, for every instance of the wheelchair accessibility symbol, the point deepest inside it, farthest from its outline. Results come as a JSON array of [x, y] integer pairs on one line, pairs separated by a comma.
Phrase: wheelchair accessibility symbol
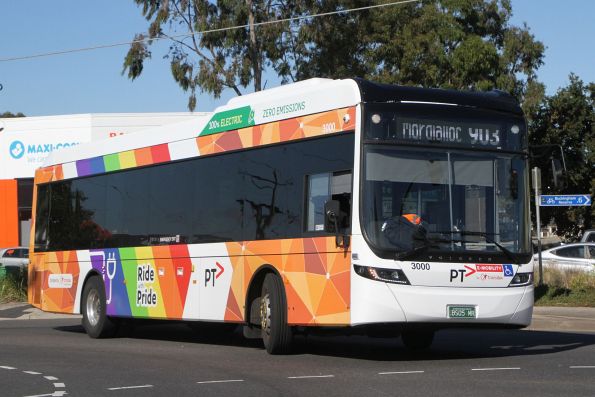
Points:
[[508, 270]]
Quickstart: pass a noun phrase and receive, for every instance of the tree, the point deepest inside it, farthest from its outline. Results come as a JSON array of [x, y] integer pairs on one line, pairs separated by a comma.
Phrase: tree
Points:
[[11, 115], [459, 44], [568, 119], [462, 44], [215, 61]]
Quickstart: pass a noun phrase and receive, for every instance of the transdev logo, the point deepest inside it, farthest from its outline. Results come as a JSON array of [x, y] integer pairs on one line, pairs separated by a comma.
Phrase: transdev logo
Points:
[[17, 149]]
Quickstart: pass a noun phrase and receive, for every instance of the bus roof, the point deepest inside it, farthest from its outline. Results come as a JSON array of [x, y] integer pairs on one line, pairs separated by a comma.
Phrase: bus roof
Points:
[[285, 102]]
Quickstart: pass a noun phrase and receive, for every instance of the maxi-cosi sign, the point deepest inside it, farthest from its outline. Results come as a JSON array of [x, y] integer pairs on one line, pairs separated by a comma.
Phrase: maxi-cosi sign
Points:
[[21, 152]]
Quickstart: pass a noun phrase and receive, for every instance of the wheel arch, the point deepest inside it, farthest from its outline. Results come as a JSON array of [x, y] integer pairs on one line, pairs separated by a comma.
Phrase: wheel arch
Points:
[[255, 287], [90, 273]]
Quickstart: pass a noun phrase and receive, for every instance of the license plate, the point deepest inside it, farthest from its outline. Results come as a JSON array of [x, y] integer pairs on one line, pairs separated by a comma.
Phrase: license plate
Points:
[[462, 311]]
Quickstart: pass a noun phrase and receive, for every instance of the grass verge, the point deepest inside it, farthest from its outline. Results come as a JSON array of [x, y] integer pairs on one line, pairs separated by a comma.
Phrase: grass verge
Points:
[[13, 288], [565, 288]]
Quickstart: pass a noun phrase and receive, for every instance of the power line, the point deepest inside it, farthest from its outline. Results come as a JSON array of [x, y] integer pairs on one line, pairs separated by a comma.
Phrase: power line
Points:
[[300, 18]]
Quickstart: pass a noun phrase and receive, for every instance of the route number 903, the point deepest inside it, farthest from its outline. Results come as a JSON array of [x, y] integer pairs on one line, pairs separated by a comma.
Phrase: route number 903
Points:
[[420, 266]]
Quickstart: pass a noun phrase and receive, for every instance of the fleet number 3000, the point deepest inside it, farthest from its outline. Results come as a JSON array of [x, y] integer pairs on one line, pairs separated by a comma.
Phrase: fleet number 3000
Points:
[[420, 266]]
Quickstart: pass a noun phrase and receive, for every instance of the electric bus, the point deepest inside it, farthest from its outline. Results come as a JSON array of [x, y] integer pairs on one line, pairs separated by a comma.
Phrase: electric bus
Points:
[[342, 204]]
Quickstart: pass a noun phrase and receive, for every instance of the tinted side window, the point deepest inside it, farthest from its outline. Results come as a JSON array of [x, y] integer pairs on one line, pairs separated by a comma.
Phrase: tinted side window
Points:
[[276, 183], [248, 195], [171, 197], [218, 207], [42, 216], [571, 252], [90, 212], [128, 212], [273, 191]]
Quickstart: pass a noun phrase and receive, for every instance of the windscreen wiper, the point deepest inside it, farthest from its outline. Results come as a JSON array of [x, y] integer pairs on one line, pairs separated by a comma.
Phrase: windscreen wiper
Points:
[[486, 235], [428, 243]]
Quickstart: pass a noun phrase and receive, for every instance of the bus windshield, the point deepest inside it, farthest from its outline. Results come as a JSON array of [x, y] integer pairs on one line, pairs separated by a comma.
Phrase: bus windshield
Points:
[[443, 200]]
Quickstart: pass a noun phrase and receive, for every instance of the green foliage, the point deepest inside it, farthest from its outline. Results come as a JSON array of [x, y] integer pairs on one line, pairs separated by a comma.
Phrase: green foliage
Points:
[[568, 119], [13, 288], [566, 288], [215, 61], [462, 44], [11, 115]]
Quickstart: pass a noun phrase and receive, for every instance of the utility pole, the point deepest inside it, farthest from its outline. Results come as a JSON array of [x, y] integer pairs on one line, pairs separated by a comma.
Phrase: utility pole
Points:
[[537, 188]]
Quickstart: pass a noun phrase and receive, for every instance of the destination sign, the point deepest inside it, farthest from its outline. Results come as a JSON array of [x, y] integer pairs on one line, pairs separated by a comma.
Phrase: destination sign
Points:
[[454, 133], [444, 126]]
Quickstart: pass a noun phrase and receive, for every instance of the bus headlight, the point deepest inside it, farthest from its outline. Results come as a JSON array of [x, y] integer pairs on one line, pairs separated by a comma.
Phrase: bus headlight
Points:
[[395, 276], [521, 279]]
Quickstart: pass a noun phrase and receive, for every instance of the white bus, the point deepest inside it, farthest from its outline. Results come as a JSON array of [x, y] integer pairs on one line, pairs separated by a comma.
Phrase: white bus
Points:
[[325, 203]]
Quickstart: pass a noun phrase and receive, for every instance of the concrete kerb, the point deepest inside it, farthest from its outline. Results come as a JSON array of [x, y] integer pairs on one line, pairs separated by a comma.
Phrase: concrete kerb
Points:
[[565, 319]]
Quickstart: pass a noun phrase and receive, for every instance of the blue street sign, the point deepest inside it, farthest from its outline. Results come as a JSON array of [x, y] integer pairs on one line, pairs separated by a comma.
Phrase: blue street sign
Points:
[[565, 200]]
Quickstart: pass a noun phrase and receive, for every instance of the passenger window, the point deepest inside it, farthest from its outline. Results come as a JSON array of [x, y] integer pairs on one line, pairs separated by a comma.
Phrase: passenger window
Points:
[[322, 188], [571, 252]]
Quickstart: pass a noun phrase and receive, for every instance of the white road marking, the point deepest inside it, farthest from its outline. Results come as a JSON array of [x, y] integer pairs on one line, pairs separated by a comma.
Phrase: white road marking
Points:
[[59, 385], [54, 394], [220, 381], [32, 372], [495, 369], [310, 376], [582, 366], [50, 377], [5, 367], [129, 387], [400, 372]]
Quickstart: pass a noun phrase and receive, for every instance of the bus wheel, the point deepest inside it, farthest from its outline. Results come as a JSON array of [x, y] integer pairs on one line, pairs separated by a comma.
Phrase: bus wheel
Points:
[[417, 339], [95, 320], [276, 334]]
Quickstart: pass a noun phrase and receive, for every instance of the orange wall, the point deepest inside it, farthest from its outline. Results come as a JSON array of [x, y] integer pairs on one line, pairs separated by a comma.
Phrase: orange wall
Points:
[[9, 220]]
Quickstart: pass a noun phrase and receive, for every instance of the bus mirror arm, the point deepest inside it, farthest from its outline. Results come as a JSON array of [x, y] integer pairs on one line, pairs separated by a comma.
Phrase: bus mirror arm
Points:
[[332, 209]]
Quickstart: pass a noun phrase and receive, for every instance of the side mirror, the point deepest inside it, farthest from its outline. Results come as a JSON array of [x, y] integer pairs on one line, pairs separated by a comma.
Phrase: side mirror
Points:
[[558, 174], [332, 209]]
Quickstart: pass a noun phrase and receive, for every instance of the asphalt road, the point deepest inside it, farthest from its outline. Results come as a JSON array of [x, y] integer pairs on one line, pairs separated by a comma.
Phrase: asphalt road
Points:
[[55, 357]]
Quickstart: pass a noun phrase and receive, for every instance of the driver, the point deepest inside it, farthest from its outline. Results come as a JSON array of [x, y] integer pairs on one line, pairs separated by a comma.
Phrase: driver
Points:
[[407, 231]]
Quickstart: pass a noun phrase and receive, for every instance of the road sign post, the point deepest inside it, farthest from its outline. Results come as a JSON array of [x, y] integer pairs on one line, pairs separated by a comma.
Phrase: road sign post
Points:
[[537, 187]]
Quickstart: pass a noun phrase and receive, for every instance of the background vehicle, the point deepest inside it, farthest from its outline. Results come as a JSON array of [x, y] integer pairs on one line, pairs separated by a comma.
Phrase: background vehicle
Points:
[[577, 256], [343, 204], [588, 236], [14, 260]]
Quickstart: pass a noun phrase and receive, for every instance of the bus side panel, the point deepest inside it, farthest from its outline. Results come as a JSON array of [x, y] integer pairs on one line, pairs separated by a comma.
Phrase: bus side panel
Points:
[[203, 282], [59, 273], [316, 276]]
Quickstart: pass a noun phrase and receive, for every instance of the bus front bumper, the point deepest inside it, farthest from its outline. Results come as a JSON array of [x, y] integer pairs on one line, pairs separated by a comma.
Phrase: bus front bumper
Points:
[[381, 302]]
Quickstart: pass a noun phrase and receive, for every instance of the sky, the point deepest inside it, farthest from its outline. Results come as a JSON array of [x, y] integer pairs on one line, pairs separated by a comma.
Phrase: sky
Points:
[[91, 82]]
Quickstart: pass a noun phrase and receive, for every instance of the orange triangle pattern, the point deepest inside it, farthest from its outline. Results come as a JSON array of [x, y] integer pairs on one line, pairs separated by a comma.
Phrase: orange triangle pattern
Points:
[[60, 299], [316, 276], [333, 121]]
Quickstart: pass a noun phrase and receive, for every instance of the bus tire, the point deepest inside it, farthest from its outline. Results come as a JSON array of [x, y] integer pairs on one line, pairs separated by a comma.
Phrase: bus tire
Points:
[[417, 339], [95, 320], [276, 334]]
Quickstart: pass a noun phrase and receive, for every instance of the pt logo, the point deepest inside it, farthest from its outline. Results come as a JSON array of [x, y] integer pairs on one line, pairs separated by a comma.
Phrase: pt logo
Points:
[[456, 274], [212, 274], [17, 149]]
